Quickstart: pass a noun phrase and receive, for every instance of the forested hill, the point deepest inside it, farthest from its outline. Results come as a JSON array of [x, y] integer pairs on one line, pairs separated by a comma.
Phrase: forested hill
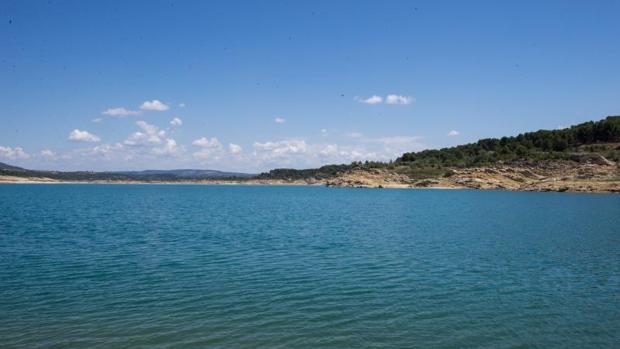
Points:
[[527, 146], [600, 137]]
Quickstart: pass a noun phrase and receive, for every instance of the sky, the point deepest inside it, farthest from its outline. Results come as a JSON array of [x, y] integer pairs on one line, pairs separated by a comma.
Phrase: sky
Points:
[[254, 85]]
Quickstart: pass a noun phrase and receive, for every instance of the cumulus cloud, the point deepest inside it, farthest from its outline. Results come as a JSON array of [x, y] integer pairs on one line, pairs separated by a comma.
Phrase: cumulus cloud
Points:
[[120, 112], [280, 120], [154, 105], [389, 99], [176, 122], [282, 147], [83, 136], [398, 99], [453, 133], [152, 147], [211, 148], [370, 100], [147, 144], [205, 142], [234, 148], [48, 154], [131, 154], [299, 153], [329, 149], [106, 150], [170, 147], [13, 153], [148, 134], [282, 152]]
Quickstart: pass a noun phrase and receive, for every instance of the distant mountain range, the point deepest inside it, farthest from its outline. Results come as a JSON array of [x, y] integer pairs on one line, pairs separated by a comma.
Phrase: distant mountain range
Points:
[[146, 175], [8, 167], [185, 173]]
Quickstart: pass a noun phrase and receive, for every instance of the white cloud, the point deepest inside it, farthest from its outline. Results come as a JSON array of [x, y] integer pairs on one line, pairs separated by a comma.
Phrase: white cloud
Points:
[[48, 154], [234, 148], [453, 133], [389, 99], [370, 100], [329, 149], [149, 134], [298, 153], [154, 105], [83, 136], [104, 152], [205, 142], [97, 120], [154, 148], [13, 153], [137, 152], [170, 147], [280, 120], [120, 112], [281, 152], [211, 148], [181, 105], [324, 132], [397, 99], [282, 147], [176, 122]]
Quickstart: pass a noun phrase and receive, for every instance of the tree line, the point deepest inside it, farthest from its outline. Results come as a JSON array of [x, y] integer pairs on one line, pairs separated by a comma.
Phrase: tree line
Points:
[[543, 144], [532, 146]]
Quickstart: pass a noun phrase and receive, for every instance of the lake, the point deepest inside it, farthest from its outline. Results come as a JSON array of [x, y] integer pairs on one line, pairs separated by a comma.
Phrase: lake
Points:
[[191, 266]]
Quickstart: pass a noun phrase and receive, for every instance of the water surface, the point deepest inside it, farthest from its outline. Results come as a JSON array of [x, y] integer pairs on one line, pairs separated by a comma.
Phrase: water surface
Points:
[[167, 266]]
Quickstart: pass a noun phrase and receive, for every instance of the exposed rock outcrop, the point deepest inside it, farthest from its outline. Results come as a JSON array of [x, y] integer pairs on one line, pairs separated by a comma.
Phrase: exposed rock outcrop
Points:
[[593, 174], [370, 178]]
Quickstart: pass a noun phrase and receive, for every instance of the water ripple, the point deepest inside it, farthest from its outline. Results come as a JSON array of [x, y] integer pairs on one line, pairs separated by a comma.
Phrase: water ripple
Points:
[[284, 267]]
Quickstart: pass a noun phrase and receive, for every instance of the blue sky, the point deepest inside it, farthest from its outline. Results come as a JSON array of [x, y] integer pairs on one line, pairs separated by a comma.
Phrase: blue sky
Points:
[[257, 85]]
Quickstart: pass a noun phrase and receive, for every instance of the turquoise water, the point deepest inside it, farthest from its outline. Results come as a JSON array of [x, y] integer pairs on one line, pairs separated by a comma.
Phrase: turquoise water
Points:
[[149, 266]]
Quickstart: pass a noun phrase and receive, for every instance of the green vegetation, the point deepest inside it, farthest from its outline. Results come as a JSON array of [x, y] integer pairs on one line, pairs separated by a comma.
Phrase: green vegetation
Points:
[[539, 145], [318, 173], [601, 137]]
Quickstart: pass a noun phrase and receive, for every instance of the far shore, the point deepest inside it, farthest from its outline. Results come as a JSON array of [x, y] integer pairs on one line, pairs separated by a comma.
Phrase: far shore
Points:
[[247, 182], [268, 182], [33, 180]]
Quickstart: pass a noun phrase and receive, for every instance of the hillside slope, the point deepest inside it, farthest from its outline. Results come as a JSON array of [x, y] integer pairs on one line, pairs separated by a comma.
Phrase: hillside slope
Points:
[[8, 167], [584, 157]]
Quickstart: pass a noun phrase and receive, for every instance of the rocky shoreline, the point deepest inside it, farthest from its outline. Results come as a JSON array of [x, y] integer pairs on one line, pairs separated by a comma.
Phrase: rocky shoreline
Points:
[[557, 176], [564, 176]]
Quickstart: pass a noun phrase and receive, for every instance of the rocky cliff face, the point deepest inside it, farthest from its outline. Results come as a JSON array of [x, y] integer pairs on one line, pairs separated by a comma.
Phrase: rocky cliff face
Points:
[[370, 178], [590, 175]]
